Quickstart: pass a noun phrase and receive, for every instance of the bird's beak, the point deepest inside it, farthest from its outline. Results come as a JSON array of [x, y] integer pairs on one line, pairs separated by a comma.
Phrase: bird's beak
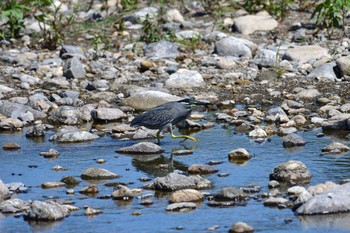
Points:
[[195, 102]]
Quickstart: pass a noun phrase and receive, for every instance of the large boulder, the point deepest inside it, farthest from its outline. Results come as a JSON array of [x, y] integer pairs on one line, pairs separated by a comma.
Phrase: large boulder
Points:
[[43, 211], [291, 173]]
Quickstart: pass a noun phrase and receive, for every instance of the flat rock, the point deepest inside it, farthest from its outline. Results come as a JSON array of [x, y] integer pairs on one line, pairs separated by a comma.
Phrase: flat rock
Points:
[[305, 53], [72, 134], [53, 184], [141, 148], [186, 195], [161, 49], [181, 207], [275, 201], [184, 78], [98, 174], [250, 23], [11, 146], [201, 169], [231, 194], [336, 147], [107, 114], [14, 205], [291, 172], [325, 70]]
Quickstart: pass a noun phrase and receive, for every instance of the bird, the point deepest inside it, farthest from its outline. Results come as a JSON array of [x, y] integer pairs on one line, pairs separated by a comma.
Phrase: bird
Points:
[[166, 115]]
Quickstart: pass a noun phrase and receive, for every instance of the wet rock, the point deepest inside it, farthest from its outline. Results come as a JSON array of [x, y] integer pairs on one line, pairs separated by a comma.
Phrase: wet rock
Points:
[[54, 184], [70, 180], [91, 211], [11, 146], [275, 201], [17, 187], [184, 78], [320, 188], [15, 205], [72, 134], [121, 192], [141, 148], [107, 114], [325, 70], [74, 69], [336, 200], [293, 140], [161, 49], [36, 131], [291, 172], [4, 191], [236, 47], [231, 193], [186, 195], [241, 227], [335, 147], [258, 133], [59, 168], [201, 169], [250, 23], [98, 174], [52, 153], [91, 189], [305, 53], [175, 181], [239, 154], [182, 152], [148, 99], [181, 207], [344, 65], [42, 211]]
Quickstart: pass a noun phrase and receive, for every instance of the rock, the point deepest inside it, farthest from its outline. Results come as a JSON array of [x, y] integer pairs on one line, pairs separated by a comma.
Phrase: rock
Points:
[[302, 198], [293, 140], [17, 187], [91, 211], [274, 184], [227, 63], [275, 201], [239, 154], [343, 64], [107, 114], [265, 58], [181, 207], [54, 184], [148, 99], [98, 174], [140, 16], [11, 146], [5, 89], [337, 122], [308, 94], [326, 70], [231, 46], [336, 200], [274, 114], [305, 53], [320, 188], [250, 23], [74, 69], [9, 109], [186, 195], [173, 15], [231, 194], [141, 148], [42, 211], [201, 169], [36, 131], [52, 153], [184, 79], [71, 50], [4, 192], [299, 36], [72, 134], [161, 49], [10, 124], [258, 133], [336, 147], [175, 181], [121, 192], [70, 115], [295, 191], [90, 190], [291, 172], [15, 205], [70, 180], [241, 227], [188, 34]]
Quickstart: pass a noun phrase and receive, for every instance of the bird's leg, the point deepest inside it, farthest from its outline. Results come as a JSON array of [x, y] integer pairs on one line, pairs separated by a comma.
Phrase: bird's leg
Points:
[[182, 136], [158, 136]]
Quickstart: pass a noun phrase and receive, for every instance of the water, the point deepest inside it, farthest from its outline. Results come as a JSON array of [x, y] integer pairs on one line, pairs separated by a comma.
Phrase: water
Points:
[[215, 145]]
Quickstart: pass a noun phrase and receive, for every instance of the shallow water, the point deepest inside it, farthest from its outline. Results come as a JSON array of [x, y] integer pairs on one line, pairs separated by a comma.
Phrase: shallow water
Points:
[[214, 145]]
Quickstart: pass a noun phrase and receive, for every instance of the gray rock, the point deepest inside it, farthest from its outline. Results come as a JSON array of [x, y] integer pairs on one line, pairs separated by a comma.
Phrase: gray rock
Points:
[[121, 192], [336, 147], [273, 113], [71, 50], [91, 211], [186, 195], [275, 201], [161, 49], [337, 122], [293, 140], [265, 58], [31, 80], [107, 114], [201, 169], [236, 47], [181, 206], [231, 194], [52, 153], [250, 23], [291, 172], [299, 36], [98, 174], [71, 115], [148, 99], [241, 227], [5, 89], [72, 134], [344, 65], [54, 184], [140, 15], [308, 94], [42, 211], [10, 124], [15, 205], [4, 191], [89, 190], [141, 148], [173, 15], [336, 200], [9, 108], [175, 181], [239, 154], [17, 187], [73, 69], [305, 53], [227, 62], [320, 188], [303, 197], [325, 70], [258, 133], [184, 78]]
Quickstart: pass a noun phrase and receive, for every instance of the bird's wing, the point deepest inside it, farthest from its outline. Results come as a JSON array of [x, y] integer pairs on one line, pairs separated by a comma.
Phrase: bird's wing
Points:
[[154, 118]]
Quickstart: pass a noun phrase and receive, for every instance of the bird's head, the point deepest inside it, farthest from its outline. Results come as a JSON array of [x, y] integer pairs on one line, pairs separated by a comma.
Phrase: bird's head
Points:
[[192, 101]]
